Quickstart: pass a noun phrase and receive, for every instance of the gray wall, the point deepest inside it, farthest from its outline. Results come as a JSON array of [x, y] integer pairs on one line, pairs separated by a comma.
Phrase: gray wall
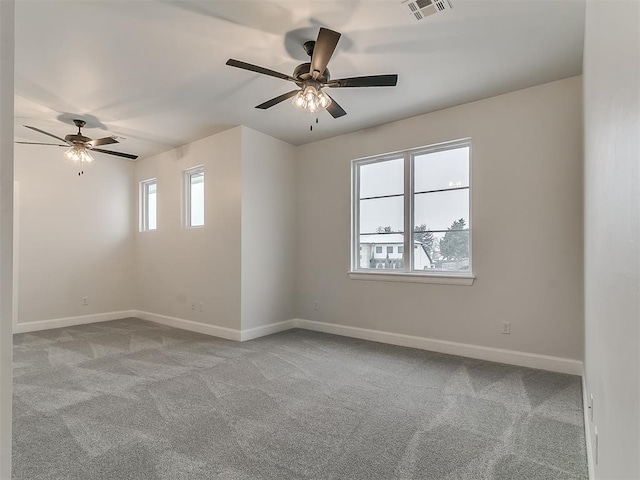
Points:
[[527, 227], [612, 233]]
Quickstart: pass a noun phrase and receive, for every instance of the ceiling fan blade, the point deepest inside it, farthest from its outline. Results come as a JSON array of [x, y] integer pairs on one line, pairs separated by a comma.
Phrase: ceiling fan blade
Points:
[[50, 134], [255, 68], [334, 108], [368, 81], [39, 143], [125, 155], [325, 46], [277, 100], [103, 141]]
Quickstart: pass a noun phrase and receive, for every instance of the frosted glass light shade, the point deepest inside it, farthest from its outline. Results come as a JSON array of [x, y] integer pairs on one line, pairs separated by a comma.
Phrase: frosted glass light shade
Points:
[[78, 154], [311, 99]]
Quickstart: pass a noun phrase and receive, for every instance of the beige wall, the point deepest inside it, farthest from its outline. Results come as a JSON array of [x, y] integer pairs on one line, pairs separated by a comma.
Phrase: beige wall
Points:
[[75, 235], [527, 227], [177, 265], [268, 212], [612, 233]]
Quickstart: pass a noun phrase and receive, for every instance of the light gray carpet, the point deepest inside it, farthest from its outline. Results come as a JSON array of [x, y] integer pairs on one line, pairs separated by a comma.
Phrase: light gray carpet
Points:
[[134, 400]]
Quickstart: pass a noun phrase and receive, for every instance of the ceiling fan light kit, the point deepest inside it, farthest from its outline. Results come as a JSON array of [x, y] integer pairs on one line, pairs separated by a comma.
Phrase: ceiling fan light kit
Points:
[[312, 77], [78, 154], [311, 99]]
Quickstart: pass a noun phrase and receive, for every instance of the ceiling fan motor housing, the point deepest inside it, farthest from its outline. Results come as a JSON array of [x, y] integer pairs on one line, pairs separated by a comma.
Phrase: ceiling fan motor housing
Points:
[[77, 139], [302, 74]]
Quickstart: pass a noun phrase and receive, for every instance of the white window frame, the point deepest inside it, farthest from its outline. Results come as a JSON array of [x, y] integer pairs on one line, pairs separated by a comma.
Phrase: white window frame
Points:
[[407, 274], [144, 204], [187, 174]]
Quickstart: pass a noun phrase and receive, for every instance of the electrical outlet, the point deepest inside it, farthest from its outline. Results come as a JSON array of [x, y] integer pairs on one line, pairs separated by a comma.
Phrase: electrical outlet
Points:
[[193, 305], [506, 328], [85, 301], [316, 305], [201, 306]]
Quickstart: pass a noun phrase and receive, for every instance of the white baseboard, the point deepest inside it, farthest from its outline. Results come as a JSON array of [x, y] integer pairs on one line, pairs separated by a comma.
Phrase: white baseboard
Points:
[[213, 330], [71, 321], [531, 360], [256, 332], [216, 331], [587, 428], [543, 362]]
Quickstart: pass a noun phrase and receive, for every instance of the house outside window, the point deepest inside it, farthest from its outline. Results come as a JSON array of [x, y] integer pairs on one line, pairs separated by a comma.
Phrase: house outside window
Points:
[[415, 203]]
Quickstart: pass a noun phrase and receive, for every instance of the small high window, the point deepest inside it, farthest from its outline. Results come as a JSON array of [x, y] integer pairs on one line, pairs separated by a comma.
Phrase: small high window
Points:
[[194, 198], [148, 204]]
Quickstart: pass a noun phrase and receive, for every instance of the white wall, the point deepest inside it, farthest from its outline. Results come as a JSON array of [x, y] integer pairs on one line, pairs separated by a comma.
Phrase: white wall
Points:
[[78, 235], [612, 233], [75, 235], [240, 265], [268, 213], [527, 227], [177, 265], [6, 229]]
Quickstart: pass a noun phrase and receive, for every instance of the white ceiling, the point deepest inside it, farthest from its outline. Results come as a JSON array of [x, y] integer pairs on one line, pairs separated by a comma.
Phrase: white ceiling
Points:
[[154, 71]]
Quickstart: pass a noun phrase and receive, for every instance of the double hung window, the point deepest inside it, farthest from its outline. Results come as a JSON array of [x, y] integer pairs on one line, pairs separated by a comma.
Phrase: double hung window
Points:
[[411, 211]]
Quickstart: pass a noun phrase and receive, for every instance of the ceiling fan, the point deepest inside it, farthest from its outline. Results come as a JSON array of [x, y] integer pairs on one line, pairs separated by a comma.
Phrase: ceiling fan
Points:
[[312, 77], [79, 145]]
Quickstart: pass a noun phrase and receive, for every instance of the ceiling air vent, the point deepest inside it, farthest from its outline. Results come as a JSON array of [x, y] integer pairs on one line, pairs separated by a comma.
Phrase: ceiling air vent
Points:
[[420, 9]]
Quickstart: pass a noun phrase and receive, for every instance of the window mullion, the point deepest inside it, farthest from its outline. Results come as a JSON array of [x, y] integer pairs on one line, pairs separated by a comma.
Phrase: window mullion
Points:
[[408, 212]]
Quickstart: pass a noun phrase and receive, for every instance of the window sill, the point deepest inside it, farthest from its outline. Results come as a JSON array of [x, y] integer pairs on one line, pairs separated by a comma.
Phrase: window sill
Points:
[[454, 279]]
